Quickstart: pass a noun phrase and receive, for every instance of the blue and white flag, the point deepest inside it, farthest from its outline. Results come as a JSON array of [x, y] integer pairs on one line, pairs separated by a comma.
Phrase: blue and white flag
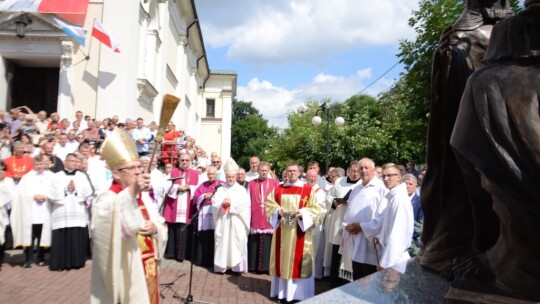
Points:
[[76, 32]]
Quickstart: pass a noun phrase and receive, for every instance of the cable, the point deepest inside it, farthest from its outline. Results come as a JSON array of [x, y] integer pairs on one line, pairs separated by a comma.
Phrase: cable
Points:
[[369, 85]]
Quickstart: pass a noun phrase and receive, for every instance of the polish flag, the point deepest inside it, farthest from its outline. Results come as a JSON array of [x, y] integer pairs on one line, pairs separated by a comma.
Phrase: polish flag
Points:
[[73, 11], [103, 35]]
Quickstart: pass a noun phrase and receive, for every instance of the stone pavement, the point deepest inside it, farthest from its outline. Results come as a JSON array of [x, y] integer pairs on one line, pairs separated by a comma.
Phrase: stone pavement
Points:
[[40, 285]]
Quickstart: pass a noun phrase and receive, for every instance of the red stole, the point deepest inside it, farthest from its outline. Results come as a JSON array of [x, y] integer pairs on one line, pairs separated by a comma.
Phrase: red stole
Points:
[[146, 245], [304, 193]]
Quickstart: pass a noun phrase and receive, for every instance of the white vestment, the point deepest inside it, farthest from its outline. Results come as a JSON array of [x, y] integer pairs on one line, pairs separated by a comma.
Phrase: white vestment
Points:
[[367, 207], [334, 218], [232, 228], [24, 209], [397, 230], [117, 268], [69, 208], [7, 190]]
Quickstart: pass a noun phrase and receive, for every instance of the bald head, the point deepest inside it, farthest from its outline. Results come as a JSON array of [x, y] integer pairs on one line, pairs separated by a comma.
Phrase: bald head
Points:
[[311, 177]]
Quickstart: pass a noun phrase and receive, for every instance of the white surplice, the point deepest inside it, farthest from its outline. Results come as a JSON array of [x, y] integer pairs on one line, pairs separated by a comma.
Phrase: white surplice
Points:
[[26, 211], [367, 205], [232, 228], [7, 190], [333, 221], [69, 208], [397, 230]]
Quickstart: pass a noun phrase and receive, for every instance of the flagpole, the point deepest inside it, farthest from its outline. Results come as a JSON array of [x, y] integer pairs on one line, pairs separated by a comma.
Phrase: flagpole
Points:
[[89, 46], [98, 64]]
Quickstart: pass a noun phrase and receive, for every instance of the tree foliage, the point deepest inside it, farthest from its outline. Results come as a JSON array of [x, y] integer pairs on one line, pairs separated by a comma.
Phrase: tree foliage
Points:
[[250, 133]]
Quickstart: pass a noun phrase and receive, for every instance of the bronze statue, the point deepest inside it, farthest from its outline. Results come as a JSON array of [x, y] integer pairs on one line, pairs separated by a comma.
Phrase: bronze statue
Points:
[[497, 131], [458, 218]]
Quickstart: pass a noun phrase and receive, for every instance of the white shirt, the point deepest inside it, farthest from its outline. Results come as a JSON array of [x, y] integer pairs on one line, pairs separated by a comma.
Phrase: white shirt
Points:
[[62, 151]]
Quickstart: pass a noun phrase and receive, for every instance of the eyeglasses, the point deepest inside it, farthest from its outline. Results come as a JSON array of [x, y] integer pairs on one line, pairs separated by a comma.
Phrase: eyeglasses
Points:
[[185, 160], [389, 175], [216, 162], [132, 168]]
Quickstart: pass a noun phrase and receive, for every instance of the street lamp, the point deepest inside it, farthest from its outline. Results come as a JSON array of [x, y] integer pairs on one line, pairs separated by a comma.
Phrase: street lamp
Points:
[[317, 120], [21, 24]]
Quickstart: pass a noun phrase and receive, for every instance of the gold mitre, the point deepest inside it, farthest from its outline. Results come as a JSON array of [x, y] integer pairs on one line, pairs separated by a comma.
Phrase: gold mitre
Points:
[[118, 149]]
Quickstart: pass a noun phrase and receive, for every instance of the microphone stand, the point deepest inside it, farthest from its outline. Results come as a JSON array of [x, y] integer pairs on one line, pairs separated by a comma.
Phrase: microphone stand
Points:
[[194, 221]]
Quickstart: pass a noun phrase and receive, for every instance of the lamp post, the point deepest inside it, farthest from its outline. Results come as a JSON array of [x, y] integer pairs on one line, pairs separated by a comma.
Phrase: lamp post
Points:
[[317, 120]]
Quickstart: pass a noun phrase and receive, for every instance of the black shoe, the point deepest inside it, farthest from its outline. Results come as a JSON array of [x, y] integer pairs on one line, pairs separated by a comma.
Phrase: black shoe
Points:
[[27, 264]]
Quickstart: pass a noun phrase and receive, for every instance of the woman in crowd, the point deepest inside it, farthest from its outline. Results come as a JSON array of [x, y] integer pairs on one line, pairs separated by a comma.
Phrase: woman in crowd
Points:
[[169, 152]]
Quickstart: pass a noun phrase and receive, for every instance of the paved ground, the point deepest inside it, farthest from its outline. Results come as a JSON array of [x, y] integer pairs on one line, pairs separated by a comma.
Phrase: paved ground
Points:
[[39, 285]]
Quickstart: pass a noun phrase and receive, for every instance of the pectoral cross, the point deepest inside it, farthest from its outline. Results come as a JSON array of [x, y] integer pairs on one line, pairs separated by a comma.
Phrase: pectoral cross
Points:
[[304, 200]]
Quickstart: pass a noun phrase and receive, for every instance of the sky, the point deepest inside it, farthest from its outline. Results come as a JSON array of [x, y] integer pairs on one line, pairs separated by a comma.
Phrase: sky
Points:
[[288, 51]]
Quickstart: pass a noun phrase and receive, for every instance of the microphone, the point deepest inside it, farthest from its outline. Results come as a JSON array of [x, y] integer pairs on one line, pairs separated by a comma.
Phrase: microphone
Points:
[[175, 178]]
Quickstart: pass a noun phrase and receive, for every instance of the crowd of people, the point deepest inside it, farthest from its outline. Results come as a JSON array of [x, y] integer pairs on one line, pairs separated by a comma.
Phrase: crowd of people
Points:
[[56, 185]]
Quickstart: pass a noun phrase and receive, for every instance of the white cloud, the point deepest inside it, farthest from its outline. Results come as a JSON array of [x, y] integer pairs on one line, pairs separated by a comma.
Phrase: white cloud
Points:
[[261, 32], [274, 102], [263, 36]]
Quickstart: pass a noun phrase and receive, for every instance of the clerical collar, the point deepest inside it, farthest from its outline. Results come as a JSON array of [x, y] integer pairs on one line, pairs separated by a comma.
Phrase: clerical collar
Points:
[[350, 181], [72, 172], [298, 183]]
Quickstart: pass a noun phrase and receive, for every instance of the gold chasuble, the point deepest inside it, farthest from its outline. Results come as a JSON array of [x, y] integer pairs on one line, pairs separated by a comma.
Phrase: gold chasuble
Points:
[[291, 255]]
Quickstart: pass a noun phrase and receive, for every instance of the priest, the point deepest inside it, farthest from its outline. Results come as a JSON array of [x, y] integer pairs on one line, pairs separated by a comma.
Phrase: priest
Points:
[[128, 235], [337, 196], [231, 213], [260, 233], [202, 199], [69, 196], [177, 208], [292, 211]]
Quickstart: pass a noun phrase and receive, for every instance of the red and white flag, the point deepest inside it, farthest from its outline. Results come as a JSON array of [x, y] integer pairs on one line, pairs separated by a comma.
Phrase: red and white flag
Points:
[[72, 10], [103, 35]]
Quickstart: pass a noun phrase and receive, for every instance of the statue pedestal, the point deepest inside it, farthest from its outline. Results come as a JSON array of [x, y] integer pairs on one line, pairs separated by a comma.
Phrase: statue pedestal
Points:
[[411, 284], [414, 285]]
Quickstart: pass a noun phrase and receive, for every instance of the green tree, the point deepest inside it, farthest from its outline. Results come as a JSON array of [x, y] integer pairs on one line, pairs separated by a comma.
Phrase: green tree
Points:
[[250, 133], [361, 135]]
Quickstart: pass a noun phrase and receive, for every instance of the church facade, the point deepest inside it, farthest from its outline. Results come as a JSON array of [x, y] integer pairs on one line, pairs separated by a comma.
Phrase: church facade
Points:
[[161, 52]]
